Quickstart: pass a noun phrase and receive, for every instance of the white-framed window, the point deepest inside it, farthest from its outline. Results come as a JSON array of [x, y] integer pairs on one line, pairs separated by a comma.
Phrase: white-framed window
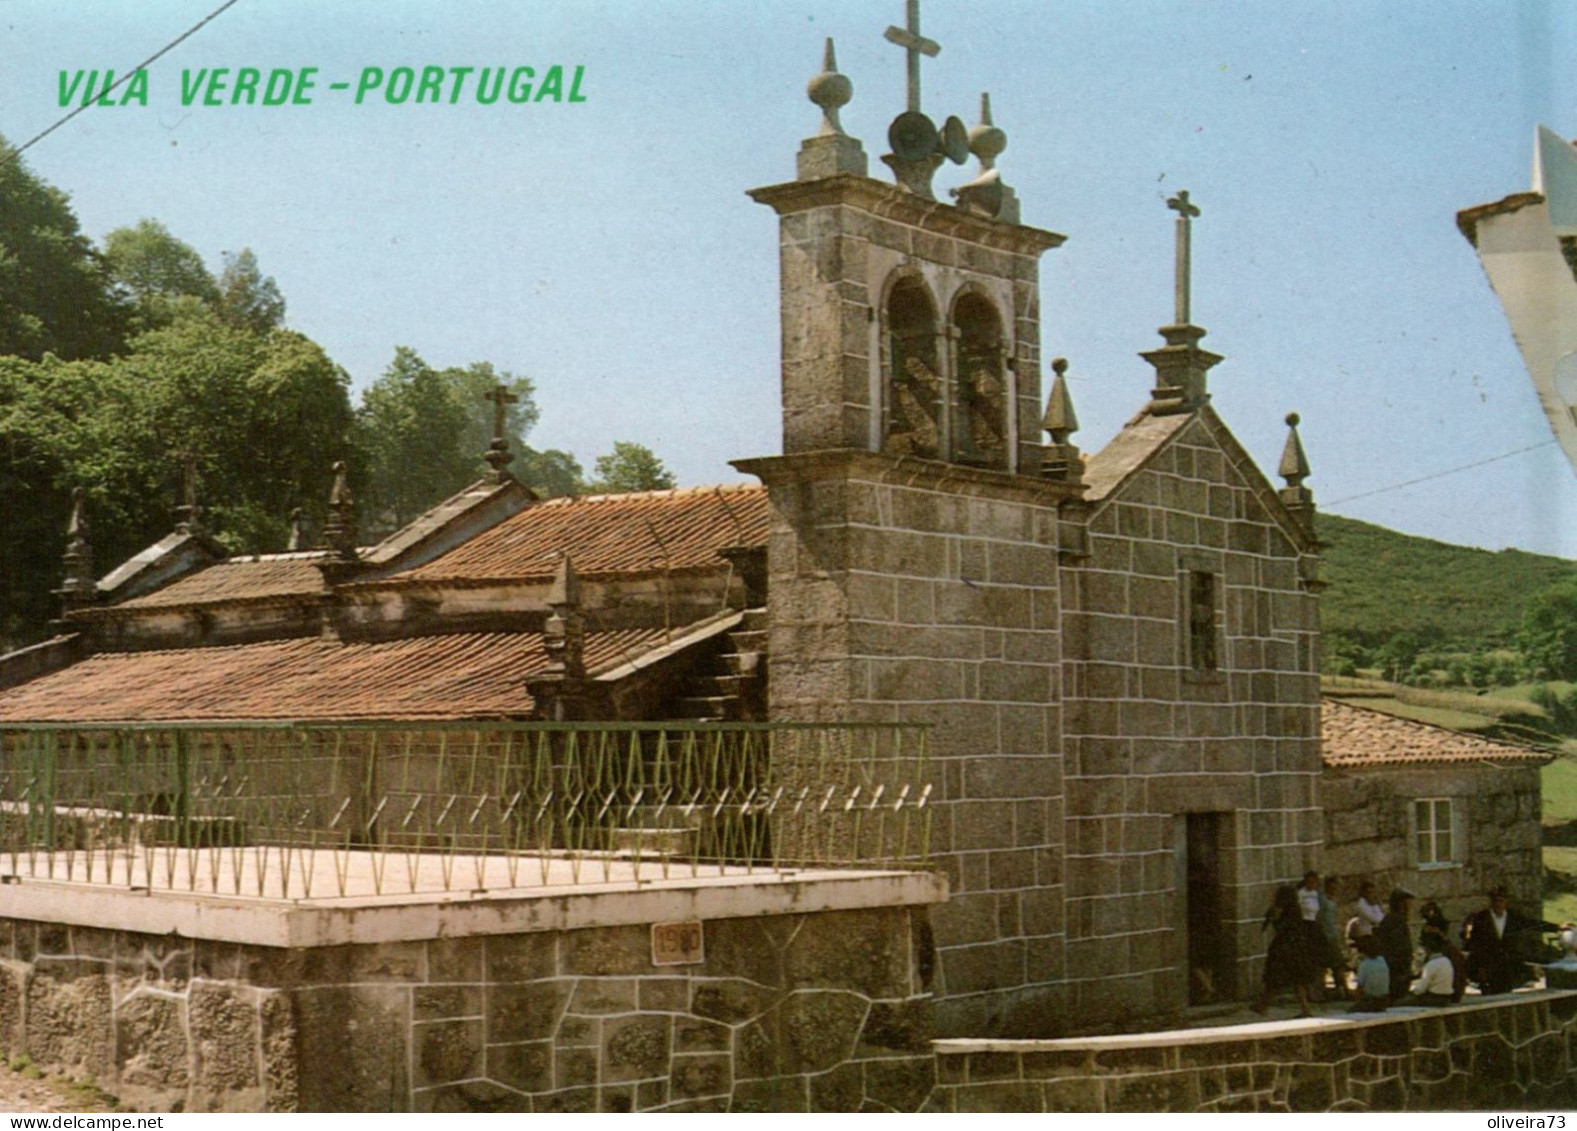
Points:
[[1433, 838]]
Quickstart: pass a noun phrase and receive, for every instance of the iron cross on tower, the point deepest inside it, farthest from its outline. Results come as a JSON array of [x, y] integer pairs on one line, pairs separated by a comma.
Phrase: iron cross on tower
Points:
[[1186, 211], [909, 38]]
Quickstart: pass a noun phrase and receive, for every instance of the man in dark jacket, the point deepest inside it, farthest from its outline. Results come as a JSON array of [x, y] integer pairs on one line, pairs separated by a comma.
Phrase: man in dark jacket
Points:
[[1497, 938], [1394, 940]]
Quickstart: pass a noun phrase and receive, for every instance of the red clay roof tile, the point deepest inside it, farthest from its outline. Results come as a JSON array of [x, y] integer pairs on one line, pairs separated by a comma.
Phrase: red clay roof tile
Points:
[[646, 531], [238, 579], [1352, 737], [463, 675]]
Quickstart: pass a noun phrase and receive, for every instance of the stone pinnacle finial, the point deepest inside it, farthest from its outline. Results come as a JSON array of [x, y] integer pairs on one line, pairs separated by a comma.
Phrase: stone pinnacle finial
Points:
[[831, 151], [1294, 468], [498, 455], [297, 531], [1060, 419], [1062, 459], [986, 141], [564, 634], [830, 91], [986, 193], [1294, 464], [77, 588], [566, 584], [339, 532], [191, 520]]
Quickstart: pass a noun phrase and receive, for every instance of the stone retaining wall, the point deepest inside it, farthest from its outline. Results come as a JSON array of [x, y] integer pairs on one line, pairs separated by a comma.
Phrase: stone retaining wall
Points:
[[829, 1010], [1509, 1054]]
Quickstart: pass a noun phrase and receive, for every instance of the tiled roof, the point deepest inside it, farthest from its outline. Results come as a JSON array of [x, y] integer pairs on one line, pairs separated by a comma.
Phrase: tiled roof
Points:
[[464, 675], [238, 579], [645, 531], [1358, 737]]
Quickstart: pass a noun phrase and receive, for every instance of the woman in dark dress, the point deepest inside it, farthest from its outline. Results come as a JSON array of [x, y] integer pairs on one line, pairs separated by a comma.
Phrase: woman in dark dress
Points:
[[1289, 963]]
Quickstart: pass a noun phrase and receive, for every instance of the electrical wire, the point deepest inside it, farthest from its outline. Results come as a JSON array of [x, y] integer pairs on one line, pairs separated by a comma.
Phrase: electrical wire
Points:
[[1437, 475], [177, 41]]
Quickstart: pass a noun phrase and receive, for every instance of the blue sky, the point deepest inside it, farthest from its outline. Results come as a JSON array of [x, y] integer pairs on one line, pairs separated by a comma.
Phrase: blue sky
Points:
[[607, 250]]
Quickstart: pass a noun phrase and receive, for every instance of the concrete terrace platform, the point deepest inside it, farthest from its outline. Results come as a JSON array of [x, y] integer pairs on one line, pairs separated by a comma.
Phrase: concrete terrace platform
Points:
[[1243, 1024], [243, 895], [1512, 1052]]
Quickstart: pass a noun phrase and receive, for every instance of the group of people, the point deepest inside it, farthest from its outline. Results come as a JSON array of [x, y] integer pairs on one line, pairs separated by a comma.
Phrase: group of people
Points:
[[1308, 941]]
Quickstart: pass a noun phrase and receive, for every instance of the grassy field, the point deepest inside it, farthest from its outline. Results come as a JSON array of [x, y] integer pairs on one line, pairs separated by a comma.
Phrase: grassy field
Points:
[[1523, 690], [1559, 781], [1561, 906], [1560, 794], [1439, 716]]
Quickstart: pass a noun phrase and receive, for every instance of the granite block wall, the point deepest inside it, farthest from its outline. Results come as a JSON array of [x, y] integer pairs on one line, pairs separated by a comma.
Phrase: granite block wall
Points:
[[910, 591], [1510, 1055], [1149, 736], [1369, 832], [830, 1011]]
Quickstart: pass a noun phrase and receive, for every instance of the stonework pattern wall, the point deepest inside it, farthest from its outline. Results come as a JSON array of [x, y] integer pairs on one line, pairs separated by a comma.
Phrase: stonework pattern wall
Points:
[[1149, 738], [793, 1012], [899, 593], [1508, 1056], [1369, 832]]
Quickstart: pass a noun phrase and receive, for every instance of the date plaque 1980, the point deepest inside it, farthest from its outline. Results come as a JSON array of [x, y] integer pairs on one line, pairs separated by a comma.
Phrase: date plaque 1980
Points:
[[677, 944]]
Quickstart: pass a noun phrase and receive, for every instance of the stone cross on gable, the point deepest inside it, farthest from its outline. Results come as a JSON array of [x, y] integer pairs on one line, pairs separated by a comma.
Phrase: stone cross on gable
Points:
[[1186, 211], [914, 44], [502, 398]]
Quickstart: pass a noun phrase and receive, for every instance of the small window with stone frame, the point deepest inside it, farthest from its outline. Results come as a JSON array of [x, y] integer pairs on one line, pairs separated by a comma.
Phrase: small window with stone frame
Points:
[[1200, 611], [1434, 841]]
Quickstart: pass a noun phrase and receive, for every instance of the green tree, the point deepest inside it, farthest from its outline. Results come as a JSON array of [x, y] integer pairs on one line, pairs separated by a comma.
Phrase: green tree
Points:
[[1548, 638], [247, 298], [629, 467], [157, 271], [265, 415], [56, 294], [423, 432], [412, 431], [551, 473]]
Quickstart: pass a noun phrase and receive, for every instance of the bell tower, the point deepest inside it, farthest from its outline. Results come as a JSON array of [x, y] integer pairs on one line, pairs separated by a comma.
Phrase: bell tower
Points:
[[910, 326], [917, 519]]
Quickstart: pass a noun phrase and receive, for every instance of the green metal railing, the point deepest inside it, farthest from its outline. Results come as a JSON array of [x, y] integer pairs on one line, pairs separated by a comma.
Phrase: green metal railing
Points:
[[367, 808]]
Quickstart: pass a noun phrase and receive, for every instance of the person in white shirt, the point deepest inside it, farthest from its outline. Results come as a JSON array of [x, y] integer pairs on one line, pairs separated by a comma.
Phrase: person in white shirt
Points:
[[1370, 909], [1434, 985], [1309, 897]]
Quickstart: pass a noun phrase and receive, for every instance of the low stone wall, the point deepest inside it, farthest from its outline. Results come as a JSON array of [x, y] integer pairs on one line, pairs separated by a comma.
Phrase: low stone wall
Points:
[[828, 1009], [1517, 1053]]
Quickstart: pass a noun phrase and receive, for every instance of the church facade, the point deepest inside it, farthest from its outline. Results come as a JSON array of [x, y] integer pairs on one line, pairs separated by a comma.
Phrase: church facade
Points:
[[1116, 654]]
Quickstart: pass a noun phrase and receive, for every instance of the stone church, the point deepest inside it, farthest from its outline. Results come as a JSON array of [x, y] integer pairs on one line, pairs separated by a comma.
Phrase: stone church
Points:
[[1116, 652]]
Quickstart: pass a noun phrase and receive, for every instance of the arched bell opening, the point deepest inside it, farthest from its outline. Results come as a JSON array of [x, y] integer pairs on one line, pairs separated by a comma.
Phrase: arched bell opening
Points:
[[980, 411], [914, 396]]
